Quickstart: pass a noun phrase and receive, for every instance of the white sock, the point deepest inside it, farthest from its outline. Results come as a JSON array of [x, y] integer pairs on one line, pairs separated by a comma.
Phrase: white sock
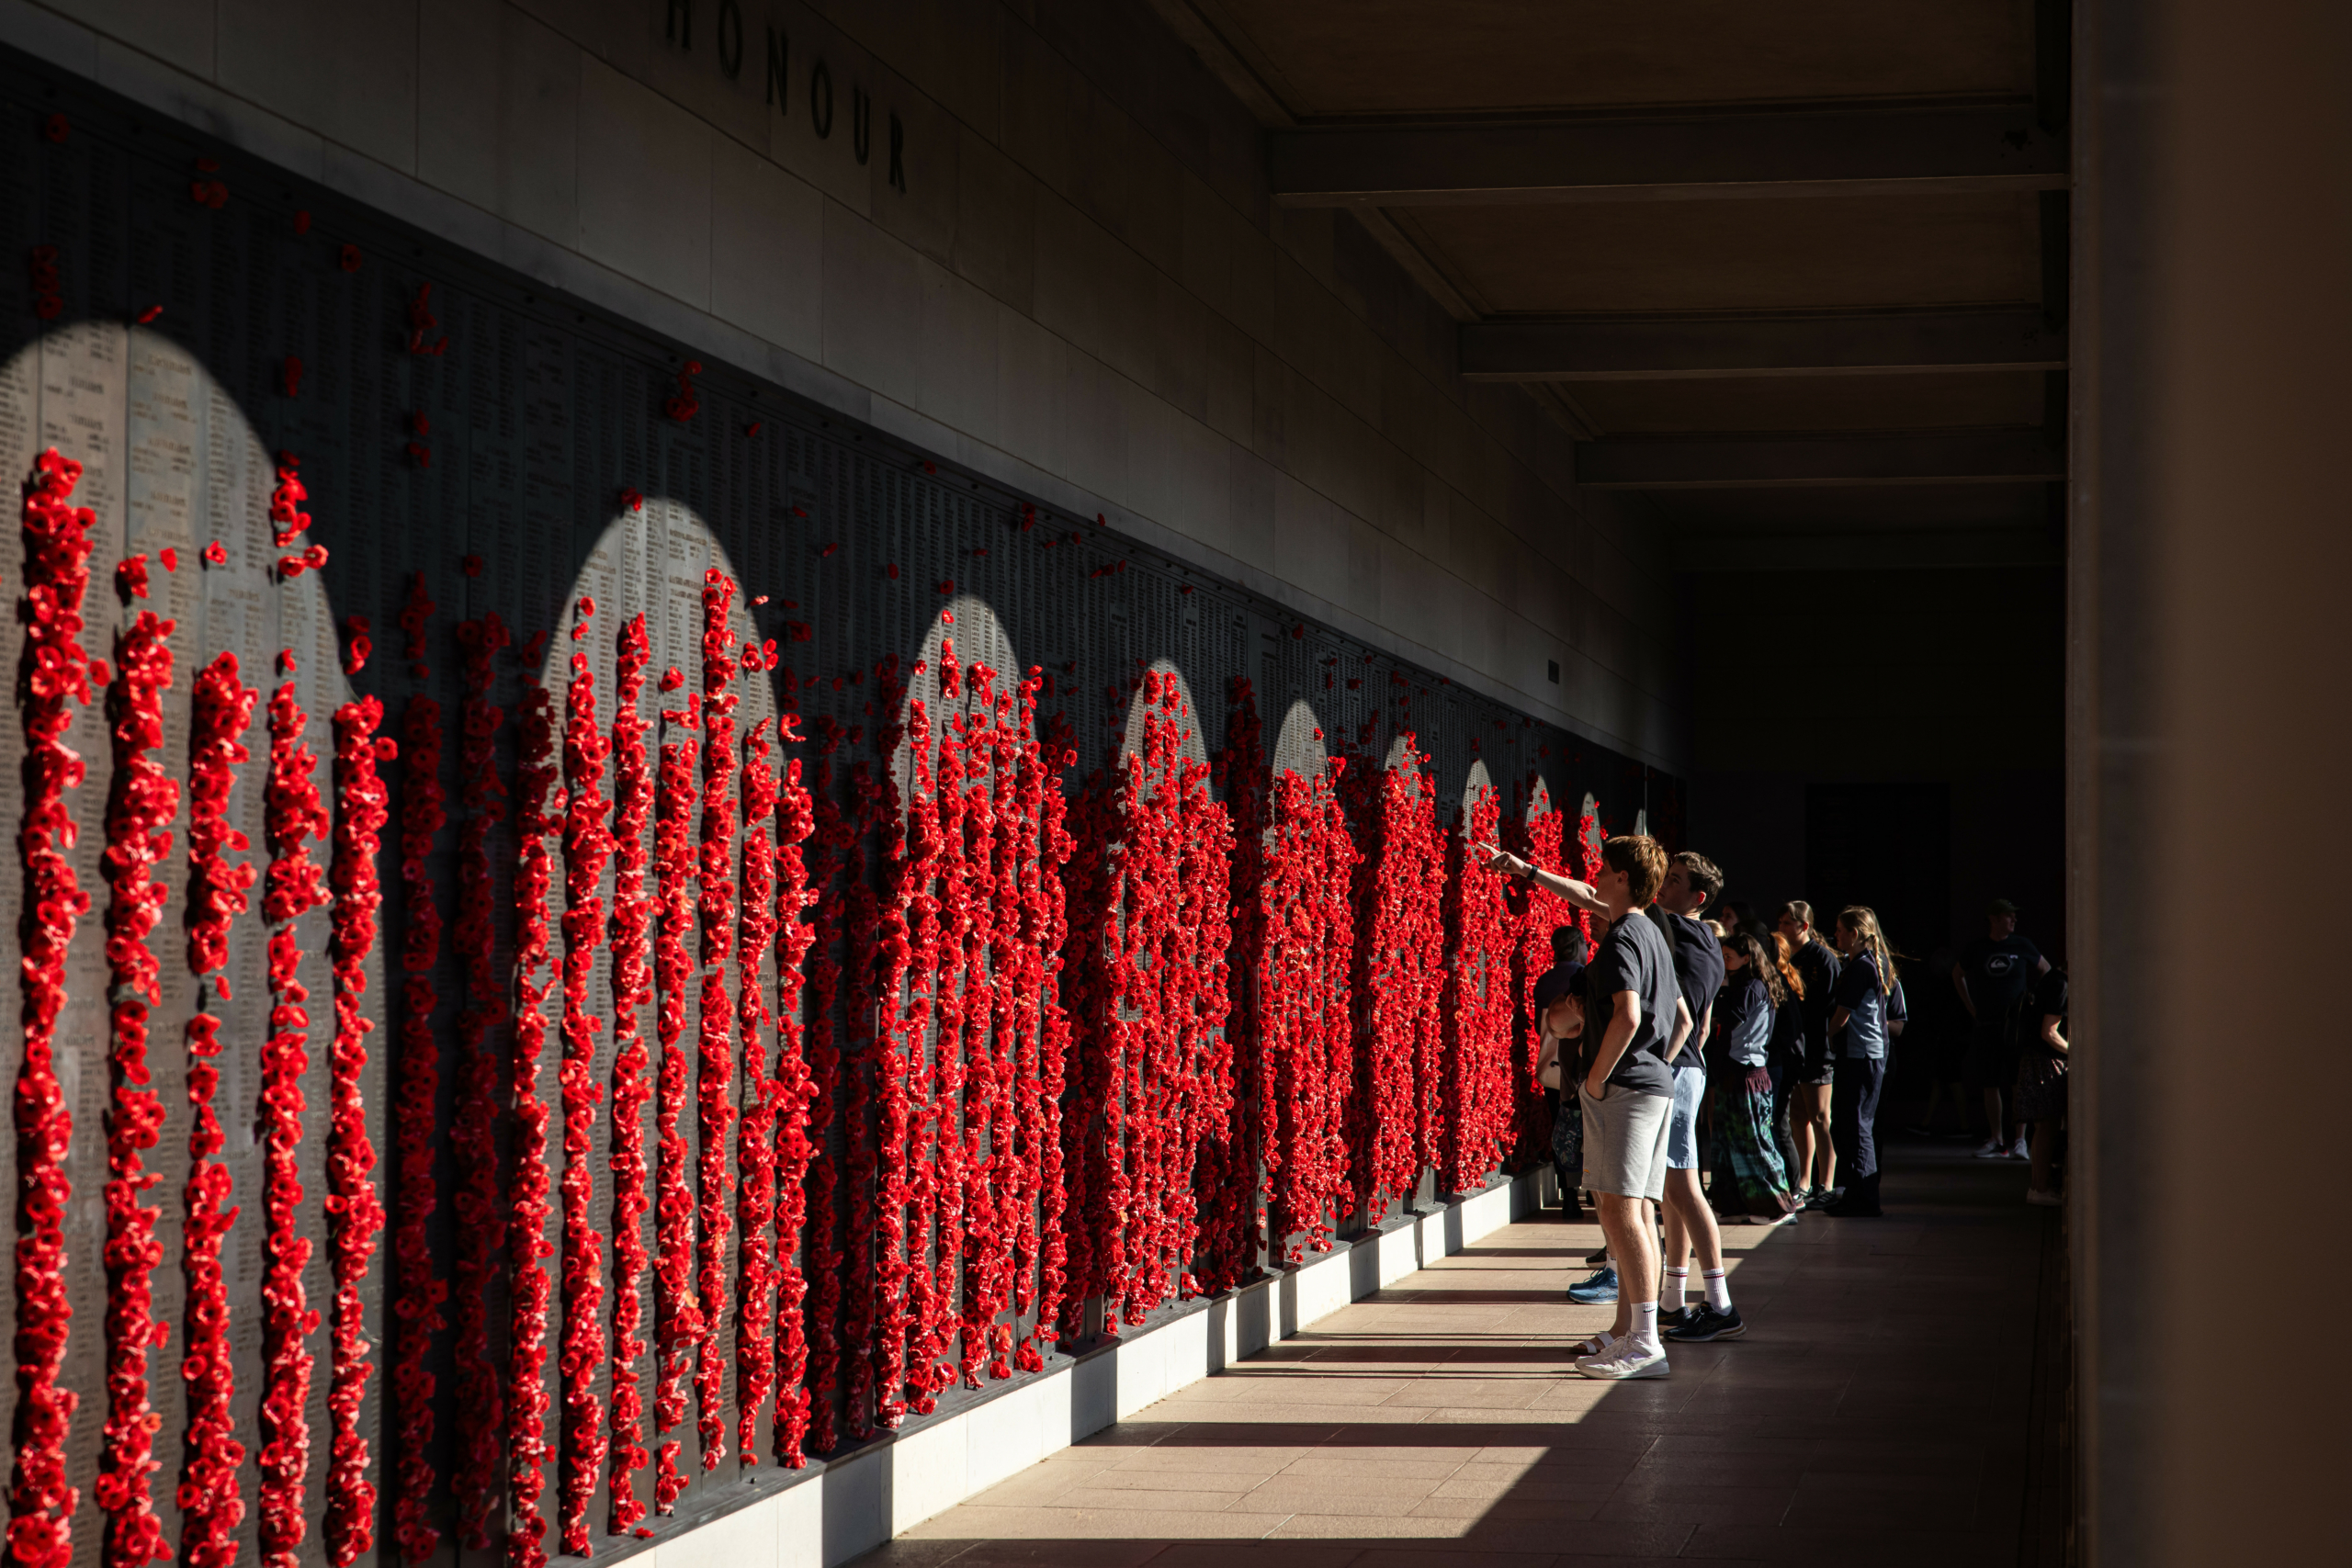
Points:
[[1670, 1294], [1645, 1332], [1718, 1290]]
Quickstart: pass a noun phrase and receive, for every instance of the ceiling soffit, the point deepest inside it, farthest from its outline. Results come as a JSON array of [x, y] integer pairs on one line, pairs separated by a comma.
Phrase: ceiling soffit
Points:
[[1811, 197]]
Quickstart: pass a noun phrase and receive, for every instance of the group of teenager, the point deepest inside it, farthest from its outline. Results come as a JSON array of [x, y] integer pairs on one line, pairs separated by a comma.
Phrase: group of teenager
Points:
[[1792, 1034]]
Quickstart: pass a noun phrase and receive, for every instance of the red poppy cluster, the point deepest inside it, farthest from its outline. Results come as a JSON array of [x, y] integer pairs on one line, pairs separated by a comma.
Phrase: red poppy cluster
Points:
[[971, 1046], [714, 1076], [1146, 962], [1539, 914], [794, 1091], [1119, 1058], [139, 817], [1479, 1100], [46, 280], [677, 1310], [1401, 983], [835, 834], [288, 522], [482, 1224], [1305, 1079], [1590, 836], [1232, 1219], [588, 846], [418, 1289], [57, 680], [632, 989], [538, 817], [755, 1147], [354, 1213], [292, 886], [211, 1505]]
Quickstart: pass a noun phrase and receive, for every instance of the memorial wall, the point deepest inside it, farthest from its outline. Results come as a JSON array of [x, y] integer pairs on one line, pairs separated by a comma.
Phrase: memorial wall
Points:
[[590, 923]]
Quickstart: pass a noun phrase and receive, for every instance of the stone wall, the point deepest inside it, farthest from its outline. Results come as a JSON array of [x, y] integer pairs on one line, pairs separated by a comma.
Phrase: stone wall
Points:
[[1081, 288]]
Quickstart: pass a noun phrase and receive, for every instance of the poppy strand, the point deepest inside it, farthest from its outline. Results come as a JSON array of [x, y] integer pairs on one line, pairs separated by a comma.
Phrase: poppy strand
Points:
[[143, 803], [354, 1210]]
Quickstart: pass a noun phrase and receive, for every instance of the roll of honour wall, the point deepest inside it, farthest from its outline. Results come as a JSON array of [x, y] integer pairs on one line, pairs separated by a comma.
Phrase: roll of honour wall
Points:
[[588, 928]]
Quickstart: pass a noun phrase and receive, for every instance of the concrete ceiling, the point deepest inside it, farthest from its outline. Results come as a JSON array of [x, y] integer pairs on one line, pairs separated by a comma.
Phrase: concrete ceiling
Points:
[[1799, 254], [1825, 220], [1355, 58]]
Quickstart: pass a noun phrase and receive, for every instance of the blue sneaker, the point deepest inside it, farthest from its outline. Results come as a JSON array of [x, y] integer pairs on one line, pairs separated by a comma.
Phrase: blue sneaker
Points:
[[1598, 1291]]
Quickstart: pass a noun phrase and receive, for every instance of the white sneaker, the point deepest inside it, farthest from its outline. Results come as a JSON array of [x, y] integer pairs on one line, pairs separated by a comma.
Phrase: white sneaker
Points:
[[2017, 1151], [1993, 1148], [1626, 1359]]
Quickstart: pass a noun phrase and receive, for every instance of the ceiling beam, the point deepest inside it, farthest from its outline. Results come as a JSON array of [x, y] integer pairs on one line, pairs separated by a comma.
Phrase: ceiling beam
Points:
[[1755, 462], [1659, 349], [1681, 158], [1878, 550]]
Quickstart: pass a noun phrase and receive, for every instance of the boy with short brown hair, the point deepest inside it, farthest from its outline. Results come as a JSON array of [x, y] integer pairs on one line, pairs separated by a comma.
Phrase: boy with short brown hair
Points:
[[1633, 1005]]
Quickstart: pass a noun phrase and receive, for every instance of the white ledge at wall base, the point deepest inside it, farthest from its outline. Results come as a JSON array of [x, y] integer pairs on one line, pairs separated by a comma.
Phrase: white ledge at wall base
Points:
[[832, 1512]]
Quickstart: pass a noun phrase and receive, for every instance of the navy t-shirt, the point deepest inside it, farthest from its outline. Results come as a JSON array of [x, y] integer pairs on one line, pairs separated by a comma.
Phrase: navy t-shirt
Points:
[[1632, 957], [1554, 983], [1997, 974], [1744, 1015], [1857, 992], [1699, 973], [1816, 966]]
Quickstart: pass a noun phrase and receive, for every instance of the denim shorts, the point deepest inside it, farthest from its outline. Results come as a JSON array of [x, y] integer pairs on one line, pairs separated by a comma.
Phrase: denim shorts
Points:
[[1683, 1127]]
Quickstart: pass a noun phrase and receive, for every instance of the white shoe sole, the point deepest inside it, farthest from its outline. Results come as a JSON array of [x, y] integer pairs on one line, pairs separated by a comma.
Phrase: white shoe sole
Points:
[[1657, 1368]]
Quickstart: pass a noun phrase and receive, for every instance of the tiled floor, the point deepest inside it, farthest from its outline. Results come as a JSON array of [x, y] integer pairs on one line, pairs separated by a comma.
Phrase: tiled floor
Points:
[[1875, 1414]]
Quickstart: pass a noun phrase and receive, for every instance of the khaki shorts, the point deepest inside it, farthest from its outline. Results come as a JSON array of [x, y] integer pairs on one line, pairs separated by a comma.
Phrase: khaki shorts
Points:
[[1624, 1141]]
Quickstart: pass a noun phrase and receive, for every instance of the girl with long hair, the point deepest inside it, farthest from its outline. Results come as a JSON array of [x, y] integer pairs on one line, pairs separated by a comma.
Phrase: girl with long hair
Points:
[[1865, 985], [1816, 1069], [1754, 993], [1785, 1058]]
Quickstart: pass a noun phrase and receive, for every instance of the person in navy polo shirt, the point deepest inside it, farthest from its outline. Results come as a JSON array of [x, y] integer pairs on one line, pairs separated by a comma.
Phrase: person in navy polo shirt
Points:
[[1857, 1023]]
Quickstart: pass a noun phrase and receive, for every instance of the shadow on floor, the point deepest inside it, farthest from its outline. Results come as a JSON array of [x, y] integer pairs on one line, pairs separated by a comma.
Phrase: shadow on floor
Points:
[[1893, 1404]]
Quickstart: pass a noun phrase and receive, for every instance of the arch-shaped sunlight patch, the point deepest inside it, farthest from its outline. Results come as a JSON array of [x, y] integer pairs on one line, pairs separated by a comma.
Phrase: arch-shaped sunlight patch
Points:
[[1299, 746], [1190, 743]]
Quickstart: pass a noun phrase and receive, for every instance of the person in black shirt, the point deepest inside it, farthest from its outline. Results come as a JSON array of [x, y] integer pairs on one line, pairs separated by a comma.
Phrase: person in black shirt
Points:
[[1993, 978], [1784, 1056], [1632, 1007], [2041, 1081], [1815, 1176], [1937, 1039], [1691, 881]]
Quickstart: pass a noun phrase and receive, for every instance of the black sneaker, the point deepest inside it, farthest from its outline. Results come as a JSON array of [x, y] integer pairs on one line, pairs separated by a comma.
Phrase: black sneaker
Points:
[[1597, 1259], [1825, 1197], [1681, 1317], [1704, 1324]]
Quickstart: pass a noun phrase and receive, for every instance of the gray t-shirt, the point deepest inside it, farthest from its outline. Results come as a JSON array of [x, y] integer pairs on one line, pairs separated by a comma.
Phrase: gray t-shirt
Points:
[[1634, 958]]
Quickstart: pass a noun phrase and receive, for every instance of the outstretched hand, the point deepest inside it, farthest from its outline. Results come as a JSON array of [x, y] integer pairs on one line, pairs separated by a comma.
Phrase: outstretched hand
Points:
[[1500, 859]]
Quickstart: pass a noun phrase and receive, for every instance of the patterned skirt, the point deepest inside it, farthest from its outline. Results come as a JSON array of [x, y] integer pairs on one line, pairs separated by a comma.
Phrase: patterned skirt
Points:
[[1749, 1177], [1567, 1142], [2041, 1094]]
